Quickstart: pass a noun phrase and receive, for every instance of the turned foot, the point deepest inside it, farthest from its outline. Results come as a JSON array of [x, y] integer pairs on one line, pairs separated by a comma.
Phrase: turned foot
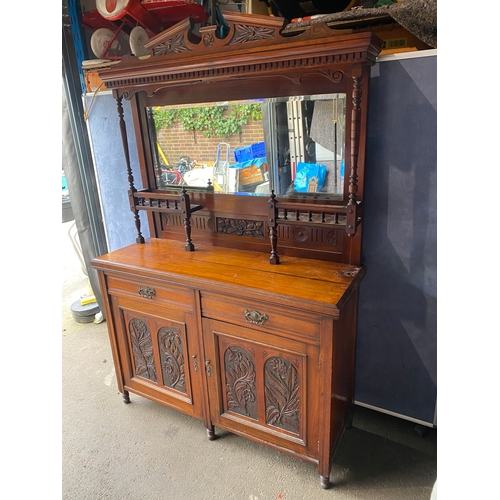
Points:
[[325, 482], [126, 397], [211, 433]]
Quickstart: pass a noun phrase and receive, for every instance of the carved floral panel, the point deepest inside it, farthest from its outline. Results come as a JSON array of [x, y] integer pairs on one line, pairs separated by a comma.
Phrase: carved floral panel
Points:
[[240, 227], [142, 349], [240, 382], [281, 388], [172, 358]]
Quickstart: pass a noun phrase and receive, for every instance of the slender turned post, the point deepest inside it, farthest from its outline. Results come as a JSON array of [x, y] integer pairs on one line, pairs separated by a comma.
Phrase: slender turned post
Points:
[[351, 214], [273, 224], [123, 130], [186, 210], [355, 125]]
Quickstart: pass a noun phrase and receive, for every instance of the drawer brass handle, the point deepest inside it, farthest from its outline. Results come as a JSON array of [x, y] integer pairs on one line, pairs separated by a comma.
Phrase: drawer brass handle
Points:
[[255, 317], [146, 292]]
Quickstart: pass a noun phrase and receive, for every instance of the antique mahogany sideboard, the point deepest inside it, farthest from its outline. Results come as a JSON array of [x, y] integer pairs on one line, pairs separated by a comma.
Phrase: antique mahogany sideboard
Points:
[[240, 310]]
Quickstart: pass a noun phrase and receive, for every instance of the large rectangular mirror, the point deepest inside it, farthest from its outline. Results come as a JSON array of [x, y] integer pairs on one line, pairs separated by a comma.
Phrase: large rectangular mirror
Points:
[[292, 145]]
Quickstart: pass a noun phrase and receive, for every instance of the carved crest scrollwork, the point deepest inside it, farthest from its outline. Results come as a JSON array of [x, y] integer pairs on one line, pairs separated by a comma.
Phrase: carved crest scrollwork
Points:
[[244, 33], [129, 93], [334, 76], [174, 45]]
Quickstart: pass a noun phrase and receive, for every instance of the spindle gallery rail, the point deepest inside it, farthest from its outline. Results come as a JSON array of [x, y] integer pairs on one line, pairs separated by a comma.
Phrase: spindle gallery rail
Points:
[[291, 213], [166, 203]]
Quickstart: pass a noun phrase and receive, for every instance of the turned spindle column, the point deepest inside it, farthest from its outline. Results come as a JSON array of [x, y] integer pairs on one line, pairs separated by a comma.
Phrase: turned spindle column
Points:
[[351, 215], [273, 228], [186, 212], [123, 130]]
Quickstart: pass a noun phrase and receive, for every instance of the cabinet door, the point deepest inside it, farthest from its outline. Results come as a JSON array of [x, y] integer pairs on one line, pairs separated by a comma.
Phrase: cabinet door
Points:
[[262, 386], [158, 353]]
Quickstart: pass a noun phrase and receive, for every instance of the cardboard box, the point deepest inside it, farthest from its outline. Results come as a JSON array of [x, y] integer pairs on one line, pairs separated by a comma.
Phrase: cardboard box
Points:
[[398, 39], [250, 175], [92, 80]]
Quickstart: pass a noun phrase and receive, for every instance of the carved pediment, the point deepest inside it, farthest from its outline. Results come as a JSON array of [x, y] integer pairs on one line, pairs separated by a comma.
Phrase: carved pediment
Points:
[[240, 29], [251, 46]]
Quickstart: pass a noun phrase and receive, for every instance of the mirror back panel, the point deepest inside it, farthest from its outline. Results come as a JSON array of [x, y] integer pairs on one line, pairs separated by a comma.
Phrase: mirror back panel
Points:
[[265, 133]]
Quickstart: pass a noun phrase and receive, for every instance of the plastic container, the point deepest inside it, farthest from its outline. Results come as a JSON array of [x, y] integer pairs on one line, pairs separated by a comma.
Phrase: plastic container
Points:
[[256, 150], [84, 314]]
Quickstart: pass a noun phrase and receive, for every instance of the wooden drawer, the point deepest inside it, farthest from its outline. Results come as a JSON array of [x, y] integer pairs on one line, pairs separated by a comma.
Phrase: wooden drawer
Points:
[[269, 317], [151, 291]]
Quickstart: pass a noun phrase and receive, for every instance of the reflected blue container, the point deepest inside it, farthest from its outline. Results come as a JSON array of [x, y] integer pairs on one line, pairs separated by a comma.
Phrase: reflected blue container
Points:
[[256, 150]]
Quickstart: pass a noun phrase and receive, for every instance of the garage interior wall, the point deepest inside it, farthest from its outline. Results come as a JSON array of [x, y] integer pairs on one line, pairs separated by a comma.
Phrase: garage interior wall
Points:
[[397, 329], [78, 166]]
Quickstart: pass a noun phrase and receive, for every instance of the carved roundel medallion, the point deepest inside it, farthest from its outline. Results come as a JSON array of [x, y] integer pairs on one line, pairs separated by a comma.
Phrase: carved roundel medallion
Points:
[[300, 234], [208, 39]]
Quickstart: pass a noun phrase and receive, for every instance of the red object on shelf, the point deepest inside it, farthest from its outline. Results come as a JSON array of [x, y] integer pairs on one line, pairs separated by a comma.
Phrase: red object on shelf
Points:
[[153, 16], [92, 20]]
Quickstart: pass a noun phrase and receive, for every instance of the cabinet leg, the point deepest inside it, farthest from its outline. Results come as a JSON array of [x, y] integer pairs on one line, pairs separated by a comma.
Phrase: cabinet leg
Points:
[[325, 482], [126, 397], [211, 433]]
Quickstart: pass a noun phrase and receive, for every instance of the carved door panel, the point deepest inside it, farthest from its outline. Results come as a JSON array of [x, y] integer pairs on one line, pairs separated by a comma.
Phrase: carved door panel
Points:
[[258, 385], [158, 358]]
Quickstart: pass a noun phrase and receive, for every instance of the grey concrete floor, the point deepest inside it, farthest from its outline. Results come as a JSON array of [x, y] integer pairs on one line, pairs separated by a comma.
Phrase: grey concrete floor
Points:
[[145, 451]]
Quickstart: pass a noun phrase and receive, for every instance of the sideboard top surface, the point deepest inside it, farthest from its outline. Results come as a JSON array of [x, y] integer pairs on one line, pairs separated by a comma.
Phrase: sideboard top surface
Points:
[[309, 282]]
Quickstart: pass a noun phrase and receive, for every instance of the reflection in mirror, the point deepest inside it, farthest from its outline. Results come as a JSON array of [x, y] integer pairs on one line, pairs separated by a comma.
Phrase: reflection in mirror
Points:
[[294, 146]]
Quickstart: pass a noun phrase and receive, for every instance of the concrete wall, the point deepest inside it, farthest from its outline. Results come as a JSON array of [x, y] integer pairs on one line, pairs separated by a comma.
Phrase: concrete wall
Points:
[[111, 169]]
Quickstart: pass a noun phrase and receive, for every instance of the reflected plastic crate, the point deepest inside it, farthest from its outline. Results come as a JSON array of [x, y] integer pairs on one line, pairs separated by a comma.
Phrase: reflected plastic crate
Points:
[[256, 150]]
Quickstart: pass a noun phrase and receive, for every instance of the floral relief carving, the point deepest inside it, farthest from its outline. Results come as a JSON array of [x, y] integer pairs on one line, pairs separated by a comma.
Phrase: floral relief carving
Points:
[[282, 394], [245, 33], [240, 227], [172, 359], [240, 382], [331, 237], [172, 46], [142, 349]]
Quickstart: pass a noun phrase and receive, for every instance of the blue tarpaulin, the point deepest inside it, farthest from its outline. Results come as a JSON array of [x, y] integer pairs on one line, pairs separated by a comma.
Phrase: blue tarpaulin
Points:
[[257, 162]]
